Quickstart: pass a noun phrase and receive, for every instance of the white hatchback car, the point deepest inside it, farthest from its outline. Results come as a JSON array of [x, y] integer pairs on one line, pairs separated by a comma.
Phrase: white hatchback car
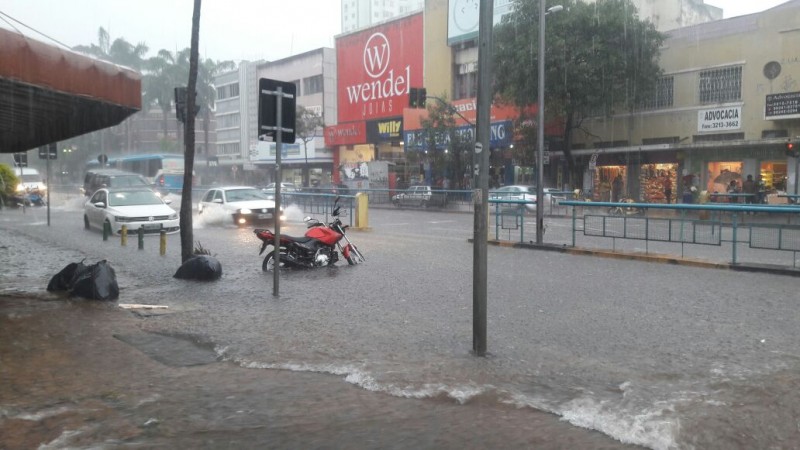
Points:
[[244, 204], [134, 207], [518, 193]]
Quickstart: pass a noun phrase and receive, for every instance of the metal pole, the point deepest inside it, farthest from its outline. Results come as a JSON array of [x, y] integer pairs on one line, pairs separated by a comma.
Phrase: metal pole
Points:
[[49, 184], [540, 131], [277, 213], [481, 192]]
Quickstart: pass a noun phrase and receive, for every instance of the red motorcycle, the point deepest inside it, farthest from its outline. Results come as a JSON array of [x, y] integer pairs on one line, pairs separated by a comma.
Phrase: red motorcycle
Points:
[[316, 249]]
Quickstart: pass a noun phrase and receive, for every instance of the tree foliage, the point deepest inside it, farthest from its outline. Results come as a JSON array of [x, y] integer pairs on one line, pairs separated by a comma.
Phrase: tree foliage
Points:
[[446, 146], [308, 123], [601, 58], [8, 181]]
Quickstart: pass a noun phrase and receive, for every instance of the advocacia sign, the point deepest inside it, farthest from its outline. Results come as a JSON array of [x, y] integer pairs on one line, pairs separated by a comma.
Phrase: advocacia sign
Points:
[[719, 119]]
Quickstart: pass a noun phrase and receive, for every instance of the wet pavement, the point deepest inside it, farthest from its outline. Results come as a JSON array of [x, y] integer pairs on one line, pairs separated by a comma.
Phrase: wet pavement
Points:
[[378, 355]]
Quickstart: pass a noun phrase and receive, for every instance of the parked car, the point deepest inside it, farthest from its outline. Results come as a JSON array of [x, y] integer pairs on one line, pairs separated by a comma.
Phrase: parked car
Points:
[[286, 188], [244, 204], [134, 207], [516, 192], [422, 196], [336, 189], [112, 178]]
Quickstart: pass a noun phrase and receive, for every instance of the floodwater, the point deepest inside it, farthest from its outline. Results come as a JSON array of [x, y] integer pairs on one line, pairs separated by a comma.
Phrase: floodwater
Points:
[[658, 356]]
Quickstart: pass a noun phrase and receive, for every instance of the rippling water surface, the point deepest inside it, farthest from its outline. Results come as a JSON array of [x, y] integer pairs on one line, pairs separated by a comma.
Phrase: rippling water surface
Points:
[[655, 355]]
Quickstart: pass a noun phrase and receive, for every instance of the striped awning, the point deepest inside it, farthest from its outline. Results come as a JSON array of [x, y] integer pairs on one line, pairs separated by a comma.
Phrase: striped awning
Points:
[[49, 94]]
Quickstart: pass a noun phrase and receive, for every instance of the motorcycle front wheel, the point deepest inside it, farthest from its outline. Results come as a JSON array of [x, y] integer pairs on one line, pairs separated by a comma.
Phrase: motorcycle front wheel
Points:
[[355, 256], [269, 263]]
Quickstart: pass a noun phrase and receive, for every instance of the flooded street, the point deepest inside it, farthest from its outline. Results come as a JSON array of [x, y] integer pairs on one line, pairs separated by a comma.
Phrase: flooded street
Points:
[[583, 352]]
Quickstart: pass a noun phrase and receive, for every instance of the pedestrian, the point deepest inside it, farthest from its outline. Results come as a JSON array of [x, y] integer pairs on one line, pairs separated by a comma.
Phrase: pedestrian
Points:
[[616, 188], [733, 188], [749, 187], [668, 188]]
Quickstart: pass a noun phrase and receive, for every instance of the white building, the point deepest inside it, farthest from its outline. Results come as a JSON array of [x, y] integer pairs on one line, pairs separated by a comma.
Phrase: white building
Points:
[[671, 14], [357, 14], [241, 157]]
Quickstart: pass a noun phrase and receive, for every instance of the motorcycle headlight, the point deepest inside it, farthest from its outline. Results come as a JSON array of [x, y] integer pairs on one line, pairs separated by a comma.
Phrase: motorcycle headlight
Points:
[[245, 211]]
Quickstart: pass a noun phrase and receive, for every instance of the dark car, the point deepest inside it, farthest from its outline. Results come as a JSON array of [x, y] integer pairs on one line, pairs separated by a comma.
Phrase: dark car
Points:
[[336, 189], [112, 178]]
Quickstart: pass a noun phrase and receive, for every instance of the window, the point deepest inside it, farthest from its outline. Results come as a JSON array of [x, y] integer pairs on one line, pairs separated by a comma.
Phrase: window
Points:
[[228, 149], [466, 85], [662, 97], [721, 85], [227, 91], [312, 85], [228, 121]]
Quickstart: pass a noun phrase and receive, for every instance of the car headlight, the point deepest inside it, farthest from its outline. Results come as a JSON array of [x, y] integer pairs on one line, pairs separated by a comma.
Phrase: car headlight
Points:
[[173, 216], [245, 211], [20, 188], [121, 219]]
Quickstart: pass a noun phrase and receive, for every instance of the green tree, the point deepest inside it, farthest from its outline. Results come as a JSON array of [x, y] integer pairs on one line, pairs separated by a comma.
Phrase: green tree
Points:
[[187, 236], [600, 58], [164, 72], [308, 124], [8, 183], [447, 146]]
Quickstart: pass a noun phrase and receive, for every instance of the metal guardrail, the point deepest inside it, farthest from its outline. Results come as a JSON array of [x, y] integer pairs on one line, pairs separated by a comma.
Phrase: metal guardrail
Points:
[[710, 230], [318, 204]]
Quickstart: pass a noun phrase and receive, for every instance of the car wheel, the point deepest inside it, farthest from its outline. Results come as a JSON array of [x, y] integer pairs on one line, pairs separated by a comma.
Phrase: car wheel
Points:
[[86, 225]]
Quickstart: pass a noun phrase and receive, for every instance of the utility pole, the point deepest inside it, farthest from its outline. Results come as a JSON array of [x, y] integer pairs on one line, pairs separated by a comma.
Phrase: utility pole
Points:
[[480, 194]]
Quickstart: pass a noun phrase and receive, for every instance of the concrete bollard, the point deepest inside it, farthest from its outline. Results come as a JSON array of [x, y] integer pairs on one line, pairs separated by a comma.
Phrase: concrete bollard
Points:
[[123, 236], [163, 244], [141, 237], [106, 230]]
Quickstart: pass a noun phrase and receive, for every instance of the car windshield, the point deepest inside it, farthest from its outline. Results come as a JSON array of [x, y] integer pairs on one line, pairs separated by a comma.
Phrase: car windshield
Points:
[[240, 195], [131, 198], [128, 181], [29, 178]]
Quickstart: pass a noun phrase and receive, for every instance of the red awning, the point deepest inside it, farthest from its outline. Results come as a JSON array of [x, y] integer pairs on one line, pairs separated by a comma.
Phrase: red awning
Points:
[[48, 94]]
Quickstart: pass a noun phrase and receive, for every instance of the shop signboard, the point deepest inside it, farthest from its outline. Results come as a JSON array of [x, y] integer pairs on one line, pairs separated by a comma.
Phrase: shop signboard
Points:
[[719, 119], [782, 106], [463, 15], [500, 135], [385, 130], [377, 67], [346, 134]]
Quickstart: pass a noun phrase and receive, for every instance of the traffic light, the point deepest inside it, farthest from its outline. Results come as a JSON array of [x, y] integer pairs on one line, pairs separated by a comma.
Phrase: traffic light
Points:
[[792, 149], [417, 97]]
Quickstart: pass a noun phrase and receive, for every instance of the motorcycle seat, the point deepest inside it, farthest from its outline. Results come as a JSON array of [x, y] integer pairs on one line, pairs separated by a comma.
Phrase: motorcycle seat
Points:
[[301, 239]]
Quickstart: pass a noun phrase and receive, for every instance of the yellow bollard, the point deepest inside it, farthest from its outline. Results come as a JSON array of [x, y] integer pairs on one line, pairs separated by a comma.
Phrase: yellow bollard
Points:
[[163, 247], [362, 212], [123, 235]]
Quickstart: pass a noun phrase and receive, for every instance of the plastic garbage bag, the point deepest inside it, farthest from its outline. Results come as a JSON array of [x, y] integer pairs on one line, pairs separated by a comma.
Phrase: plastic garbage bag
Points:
[[201, 267], [62, 281], [96, 282]]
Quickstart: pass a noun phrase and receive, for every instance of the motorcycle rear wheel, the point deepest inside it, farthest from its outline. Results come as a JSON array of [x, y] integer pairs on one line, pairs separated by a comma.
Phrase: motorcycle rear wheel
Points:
[[355, 256], [269, 263]]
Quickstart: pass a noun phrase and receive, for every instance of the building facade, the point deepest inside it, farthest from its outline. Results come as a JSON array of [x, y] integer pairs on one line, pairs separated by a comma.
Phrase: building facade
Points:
[[724, 109], [357, 14], [241, 156]]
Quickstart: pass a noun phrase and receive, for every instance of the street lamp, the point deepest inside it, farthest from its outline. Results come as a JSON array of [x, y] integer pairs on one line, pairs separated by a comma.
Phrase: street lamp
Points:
[[540, 131]]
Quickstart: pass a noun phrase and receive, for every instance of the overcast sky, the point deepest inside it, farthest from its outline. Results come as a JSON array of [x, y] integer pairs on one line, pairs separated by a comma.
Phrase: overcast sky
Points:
[[229, 29]]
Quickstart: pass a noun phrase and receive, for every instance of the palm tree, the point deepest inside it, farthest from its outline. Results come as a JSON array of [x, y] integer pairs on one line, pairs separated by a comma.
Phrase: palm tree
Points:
[[119, 52], [166, 71]]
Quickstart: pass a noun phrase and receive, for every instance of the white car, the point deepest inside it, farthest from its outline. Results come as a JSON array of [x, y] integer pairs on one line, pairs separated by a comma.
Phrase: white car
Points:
[[516, 192], [134, 207], [245, 204]]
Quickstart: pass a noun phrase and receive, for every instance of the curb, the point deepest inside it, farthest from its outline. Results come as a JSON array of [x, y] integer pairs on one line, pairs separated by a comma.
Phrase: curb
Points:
[[663, 259]]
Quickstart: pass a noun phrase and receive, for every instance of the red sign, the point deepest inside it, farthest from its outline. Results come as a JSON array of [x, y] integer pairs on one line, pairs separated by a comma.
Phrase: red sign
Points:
[[346, 134], [377, 67]]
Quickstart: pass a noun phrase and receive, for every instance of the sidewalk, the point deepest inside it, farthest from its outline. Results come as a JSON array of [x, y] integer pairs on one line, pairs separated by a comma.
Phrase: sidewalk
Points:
[[66, 381]]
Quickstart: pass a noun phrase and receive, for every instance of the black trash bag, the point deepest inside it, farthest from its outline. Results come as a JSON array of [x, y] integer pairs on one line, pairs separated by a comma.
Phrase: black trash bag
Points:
[[201, 267], [96, 282], [62, 281]]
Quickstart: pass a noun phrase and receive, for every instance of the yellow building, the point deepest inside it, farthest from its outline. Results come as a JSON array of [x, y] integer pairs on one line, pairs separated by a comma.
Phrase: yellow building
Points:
[[727, 104]]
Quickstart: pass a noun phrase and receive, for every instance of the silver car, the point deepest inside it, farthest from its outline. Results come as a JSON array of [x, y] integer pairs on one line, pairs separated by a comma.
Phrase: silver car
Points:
[[516, 192], [245, 205]]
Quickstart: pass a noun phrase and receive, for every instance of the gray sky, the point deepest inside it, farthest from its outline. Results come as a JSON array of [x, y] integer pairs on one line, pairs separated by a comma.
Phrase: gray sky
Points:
[[229, 29]]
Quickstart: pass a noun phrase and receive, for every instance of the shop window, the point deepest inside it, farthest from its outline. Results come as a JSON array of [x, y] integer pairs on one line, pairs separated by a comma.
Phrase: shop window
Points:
[[773, 134], [658, 183], [718, 137], [661, 140], [721, 173], [720, 85], [773, 176]]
